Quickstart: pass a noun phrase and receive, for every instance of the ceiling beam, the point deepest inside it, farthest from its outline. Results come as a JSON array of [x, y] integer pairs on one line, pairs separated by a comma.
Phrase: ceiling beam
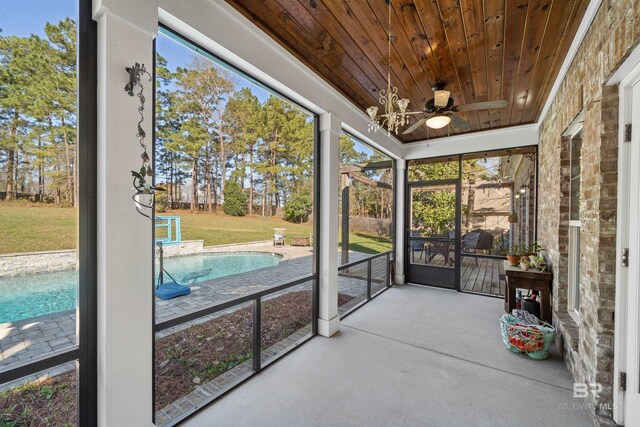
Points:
[[489, 140]]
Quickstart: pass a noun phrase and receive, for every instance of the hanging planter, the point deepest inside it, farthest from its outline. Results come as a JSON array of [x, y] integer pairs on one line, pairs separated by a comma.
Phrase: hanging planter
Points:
[[144, 196], [513, 218], [143, 200]]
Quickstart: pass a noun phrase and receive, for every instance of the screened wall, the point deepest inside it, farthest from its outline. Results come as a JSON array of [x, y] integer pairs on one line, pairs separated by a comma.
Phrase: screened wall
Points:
[[47, 200], [366, 226], [235, 228], [466, 213]]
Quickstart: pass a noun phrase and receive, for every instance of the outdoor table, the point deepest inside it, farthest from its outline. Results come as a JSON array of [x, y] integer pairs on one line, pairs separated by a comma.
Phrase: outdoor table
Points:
[[432, 249], [516, 278]]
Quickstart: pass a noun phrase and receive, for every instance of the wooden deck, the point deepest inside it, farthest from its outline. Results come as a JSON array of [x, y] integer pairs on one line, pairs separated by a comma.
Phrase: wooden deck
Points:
[[485, 278]]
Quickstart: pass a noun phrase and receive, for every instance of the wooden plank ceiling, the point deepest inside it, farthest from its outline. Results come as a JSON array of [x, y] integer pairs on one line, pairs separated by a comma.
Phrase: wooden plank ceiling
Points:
[[483, 49]]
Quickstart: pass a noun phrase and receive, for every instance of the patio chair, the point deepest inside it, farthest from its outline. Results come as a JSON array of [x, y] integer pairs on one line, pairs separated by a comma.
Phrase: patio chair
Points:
[[278, 236], [416, 245], [470, 243]]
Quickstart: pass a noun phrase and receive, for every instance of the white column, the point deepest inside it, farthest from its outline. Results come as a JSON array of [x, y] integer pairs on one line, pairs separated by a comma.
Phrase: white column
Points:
[[400, 220], [330, 128], [125, 251]]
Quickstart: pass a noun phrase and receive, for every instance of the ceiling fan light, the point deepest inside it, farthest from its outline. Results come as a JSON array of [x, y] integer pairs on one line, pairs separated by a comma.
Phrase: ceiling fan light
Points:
[[441, 98], [438, 122]]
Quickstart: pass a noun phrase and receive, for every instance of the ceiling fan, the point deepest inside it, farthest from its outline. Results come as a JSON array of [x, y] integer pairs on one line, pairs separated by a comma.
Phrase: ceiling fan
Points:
[[440, 111]]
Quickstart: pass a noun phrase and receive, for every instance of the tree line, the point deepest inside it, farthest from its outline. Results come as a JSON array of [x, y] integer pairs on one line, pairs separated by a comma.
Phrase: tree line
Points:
[[211, 130], [366, 200], [38, 114]]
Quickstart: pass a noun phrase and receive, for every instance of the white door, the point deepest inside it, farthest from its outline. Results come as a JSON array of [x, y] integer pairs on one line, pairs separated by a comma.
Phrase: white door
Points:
[[632, 394]]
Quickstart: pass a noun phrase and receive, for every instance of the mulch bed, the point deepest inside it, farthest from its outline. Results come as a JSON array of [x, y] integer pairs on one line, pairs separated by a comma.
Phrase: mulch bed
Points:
[[48, 402], [203, 352], [184, 359]]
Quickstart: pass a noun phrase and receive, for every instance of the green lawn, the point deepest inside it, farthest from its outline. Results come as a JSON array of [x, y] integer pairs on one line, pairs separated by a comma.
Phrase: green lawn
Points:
[[36, 227]]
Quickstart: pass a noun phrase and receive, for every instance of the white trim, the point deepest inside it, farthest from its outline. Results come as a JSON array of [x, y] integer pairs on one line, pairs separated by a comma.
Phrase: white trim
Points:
[[626, 68], [575, 315], [400, 171], [497, 139], [364, 138], [573, 267], [228, 34], [587, 19], [625, 225], [575, 126]]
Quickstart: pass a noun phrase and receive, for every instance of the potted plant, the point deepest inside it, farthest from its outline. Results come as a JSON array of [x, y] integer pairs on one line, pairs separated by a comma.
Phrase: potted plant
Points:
[[538, 263], [513, 217], [513, 256], [524, 263], [536, 248]]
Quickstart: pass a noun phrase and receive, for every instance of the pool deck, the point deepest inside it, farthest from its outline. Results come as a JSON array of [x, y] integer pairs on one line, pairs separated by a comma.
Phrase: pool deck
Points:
[[27, 339]]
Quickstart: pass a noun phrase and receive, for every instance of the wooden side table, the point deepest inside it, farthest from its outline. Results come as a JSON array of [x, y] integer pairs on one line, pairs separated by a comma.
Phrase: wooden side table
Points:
[[516, 278]]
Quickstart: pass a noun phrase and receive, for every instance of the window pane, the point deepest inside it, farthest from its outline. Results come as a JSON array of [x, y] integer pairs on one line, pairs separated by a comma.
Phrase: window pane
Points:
[[366, 200], [286, 319], [200, 360], [498, 215], [44, 399], [352, 287], [434, 169], [38, 206], [574, 268], [379, 274], [237, 162], [576, 164]]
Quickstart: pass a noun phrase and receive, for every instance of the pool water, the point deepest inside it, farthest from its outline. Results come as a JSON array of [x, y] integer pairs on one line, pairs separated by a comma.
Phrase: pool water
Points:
[[191, 269], [32, 295], [23, 297]]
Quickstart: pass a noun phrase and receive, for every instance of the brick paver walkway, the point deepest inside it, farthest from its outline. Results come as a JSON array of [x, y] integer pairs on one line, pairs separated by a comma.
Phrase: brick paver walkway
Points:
[[24, 340]]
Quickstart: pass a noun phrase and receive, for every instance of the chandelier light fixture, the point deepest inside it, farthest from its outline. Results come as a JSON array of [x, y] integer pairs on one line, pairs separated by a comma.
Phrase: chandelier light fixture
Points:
[[395, 108]]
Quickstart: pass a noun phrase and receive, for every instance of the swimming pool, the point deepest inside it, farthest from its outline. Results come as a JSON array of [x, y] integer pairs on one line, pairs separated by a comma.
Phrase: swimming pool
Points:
[[191, 269], [32, 295]]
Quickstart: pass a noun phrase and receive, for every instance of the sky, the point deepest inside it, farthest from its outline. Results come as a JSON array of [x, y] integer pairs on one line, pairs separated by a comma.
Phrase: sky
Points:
[[25, 17], [179, 55]]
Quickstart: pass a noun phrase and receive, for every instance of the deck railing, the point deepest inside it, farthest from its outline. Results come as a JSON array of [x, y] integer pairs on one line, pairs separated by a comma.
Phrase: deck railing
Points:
[[258, 360], [361, 276]]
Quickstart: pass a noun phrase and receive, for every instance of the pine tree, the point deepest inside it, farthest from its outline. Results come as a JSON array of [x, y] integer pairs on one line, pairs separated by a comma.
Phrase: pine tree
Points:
[[243, 120], [203, 88]]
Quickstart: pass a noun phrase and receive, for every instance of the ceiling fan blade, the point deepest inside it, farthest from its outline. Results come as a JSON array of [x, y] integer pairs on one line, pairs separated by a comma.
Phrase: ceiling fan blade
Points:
[[459, 124], [483, 105], [416, 125]]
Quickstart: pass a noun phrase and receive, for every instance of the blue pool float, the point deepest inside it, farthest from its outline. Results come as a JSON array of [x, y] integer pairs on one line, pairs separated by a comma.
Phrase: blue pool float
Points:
[[171, 290]]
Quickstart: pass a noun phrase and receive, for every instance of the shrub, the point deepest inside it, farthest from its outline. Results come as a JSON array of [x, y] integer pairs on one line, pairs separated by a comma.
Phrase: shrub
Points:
[[235, 200], [161, 201], [298, 207]]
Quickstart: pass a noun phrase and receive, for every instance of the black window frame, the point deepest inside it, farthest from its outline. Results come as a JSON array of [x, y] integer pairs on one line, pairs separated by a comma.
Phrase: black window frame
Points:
[[84, 353], [256, 297], [388, 255]]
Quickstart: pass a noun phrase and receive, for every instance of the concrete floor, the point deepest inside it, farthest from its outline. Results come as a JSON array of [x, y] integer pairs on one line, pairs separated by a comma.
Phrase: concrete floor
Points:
[[413, 356]]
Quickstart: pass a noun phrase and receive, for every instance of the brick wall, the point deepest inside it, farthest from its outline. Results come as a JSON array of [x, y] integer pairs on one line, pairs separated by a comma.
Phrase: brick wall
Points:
[[588, 350]]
